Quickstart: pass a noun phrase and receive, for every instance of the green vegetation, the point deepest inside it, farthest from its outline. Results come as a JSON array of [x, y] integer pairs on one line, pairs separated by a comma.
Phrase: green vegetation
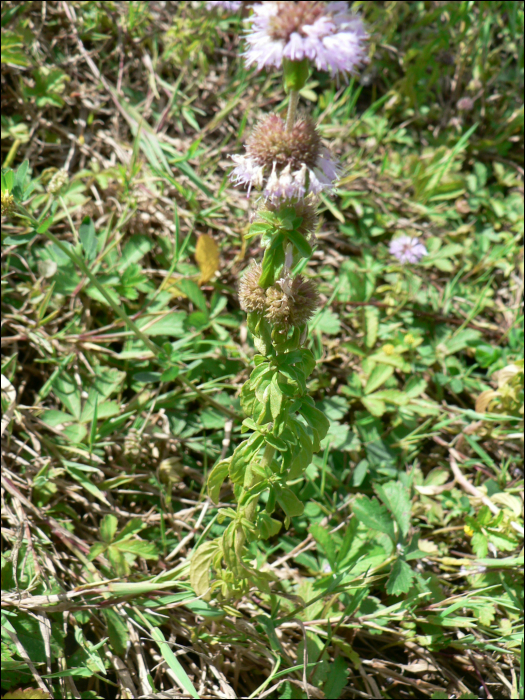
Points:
[[124, 351]]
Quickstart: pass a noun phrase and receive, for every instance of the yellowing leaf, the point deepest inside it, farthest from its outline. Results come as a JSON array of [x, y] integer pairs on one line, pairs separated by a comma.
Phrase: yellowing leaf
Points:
[[200, 566], [171, 286], [207, 257]]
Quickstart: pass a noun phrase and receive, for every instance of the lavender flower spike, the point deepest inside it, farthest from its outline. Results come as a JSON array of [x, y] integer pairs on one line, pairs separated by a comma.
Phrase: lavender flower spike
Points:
[[328, 34], [407, 250]]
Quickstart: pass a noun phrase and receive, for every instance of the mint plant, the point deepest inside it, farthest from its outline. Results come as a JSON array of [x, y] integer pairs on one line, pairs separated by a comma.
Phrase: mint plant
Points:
[[287, 163]]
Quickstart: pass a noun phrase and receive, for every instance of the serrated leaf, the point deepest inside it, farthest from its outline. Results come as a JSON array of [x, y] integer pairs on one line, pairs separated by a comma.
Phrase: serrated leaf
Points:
[[207, 257], [118, 561], [400, 578], [216, 478], [378, 376], [374, 515], [397, 499], [140, 548], [200, 566], [108, 528]]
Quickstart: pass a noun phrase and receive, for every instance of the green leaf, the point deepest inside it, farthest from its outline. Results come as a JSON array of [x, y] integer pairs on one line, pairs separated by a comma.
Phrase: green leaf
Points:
[[399, 398], [200, 566], [66, 390], [276, 398], [266, 526], [79, 476], [378, 376], [216, 478], [289, 502], [173, 662], [88, 238], [118, 561], [371, 325], [316, 419], [194, 293], [239, 462], [276, 442], [108, 528], [400, 578], [130, 528], [326, 542], [140, 548], [375, 406], [134, 250], [396, 497], [272, 261], [374, 515], [117, 631], [300, 243], [337, 678]]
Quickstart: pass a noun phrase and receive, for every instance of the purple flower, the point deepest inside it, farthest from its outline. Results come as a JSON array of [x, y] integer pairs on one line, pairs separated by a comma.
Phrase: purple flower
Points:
[[407, 250], [285, 164], [328, 34], [227, 6]]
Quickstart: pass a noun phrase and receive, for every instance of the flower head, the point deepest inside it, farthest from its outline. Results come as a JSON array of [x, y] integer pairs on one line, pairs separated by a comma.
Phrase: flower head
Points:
[[327, 33], [407, 250], [291, 302], [286, 164], [8, 203], [59, 179], [251, 296], [232, 6]]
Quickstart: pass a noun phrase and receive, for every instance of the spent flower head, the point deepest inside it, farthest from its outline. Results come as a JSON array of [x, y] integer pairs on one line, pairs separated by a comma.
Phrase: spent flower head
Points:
[[327, 33], [8, 203], [286, 164], [407, 249], [291, 302], [59, 179], [251, 296]]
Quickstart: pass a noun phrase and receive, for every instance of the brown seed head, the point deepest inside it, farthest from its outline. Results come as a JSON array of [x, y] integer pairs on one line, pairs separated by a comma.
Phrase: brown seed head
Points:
[[291, 302], [251, 296], [270, 143], [306, 300]]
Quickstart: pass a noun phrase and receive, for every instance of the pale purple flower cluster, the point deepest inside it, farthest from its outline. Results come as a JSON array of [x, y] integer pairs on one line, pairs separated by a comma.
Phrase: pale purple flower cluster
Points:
[[232, 6], [407, 250], [328, 34], [287, 184]]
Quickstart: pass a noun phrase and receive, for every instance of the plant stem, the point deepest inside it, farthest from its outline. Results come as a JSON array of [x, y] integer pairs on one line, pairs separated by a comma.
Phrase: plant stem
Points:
[[292, 109]]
